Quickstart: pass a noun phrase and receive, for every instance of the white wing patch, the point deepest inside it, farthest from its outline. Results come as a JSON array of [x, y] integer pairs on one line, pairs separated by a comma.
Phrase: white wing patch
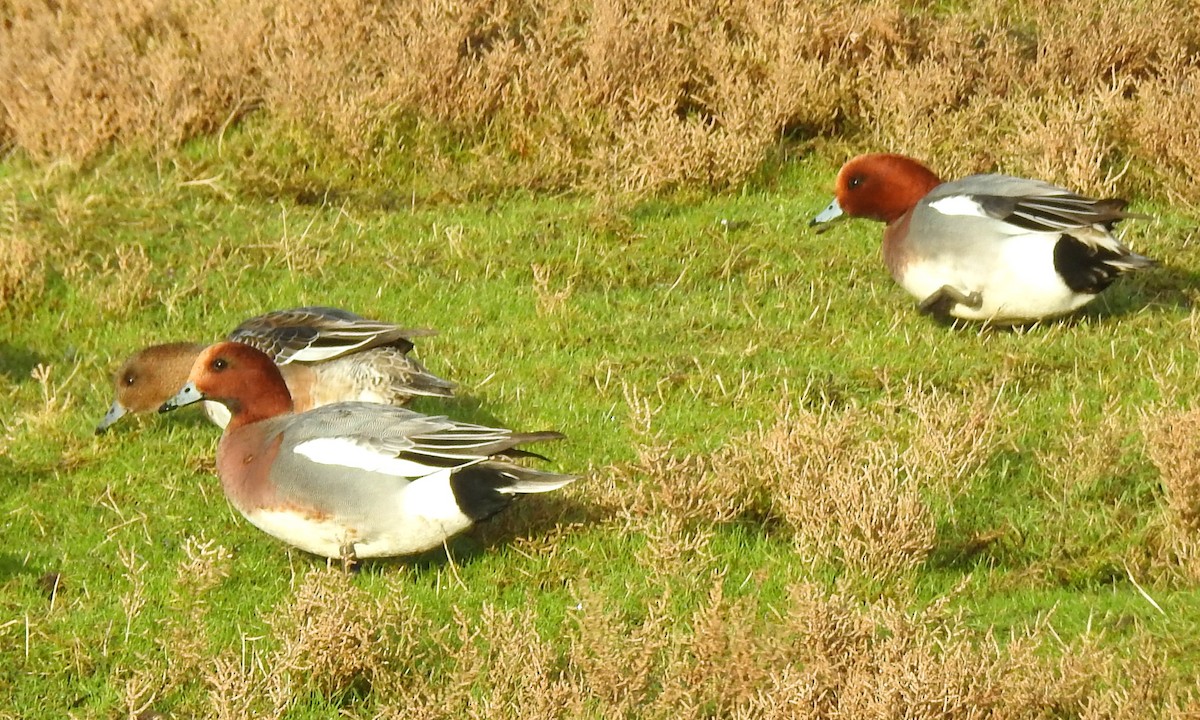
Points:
[[346, 453], [322, 353], [958, 205]]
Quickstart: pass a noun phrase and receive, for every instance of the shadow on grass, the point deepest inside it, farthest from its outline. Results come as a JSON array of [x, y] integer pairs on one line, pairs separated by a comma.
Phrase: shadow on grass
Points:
[[50, 583], [27, 560], [18, 362], [15, 477], [12, 565], [963, 550], [538, 518], [319, 193], [1166, 286], [468, 409], [980, 533], [1156, 289]]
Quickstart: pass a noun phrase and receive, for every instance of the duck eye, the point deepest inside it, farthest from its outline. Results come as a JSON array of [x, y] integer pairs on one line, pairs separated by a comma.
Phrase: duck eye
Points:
[[219, 364], [855, 181], [128, 379]]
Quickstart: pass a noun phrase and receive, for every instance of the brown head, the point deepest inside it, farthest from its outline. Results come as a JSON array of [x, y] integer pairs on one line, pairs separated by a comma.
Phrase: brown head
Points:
[[239, 377], [880, 186], [149, 377]]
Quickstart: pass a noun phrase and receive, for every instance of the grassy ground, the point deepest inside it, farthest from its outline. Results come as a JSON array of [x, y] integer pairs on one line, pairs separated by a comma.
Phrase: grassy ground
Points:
[[803, 499]]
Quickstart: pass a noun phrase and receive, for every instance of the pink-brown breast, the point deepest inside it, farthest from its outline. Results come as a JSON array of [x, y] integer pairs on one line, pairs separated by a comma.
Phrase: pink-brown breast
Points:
[[244, 461], [897, 252]]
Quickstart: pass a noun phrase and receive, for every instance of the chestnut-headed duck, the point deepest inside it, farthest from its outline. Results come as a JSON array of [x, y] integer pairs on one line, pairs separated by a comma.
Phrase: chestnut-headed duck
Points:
[[1001, 249], [326, 355], [353, 480]]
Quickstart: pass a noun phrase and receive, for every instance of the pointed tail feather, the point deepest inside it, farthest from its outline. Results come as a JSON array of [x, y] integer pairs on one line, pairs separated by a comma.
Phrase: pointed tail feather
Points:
[[530, 437], [518, 479], [487, 488], [1132, 261], [422, 382]]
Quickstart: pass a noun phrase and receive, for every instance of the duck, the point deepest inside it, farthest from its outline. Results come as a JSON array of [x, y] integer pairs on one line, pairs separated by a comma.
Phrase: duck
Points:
[[353, 480], [326, 355], [994, 248]]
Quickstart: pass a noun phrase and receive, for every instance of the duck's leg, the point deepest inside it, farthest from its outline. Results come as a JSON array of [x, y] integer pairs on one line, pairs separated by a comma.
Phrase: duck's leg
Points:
[[349, 558], [943, 300]]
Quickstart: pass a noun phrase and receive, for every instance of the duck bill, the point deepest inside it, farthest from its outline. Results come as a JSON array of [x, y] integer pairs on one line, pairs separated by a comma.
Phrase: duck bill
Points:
[[186, 396], [832, 212], [115, 413]]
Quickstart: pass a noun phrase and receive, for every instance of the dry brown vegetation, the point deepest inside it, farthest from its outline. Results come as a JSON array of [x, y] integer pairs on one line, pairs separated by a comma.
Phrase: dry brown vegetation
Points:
[[816, 655], [1173, 440], [626, 96], [848, 486], [1174, 449], [21, 273]]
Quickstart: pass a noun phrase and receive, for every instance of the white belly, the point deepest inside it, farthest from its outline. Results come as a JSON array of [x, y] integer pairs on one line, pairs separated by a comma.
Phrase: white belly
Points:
[[420, 516], [1016, 280], [327, 538]]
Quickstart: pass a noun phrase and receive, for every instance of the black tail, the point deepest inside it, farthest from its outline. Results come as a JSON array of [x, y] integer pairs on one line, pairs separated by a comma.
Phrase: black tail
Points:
[[1087, 268], [485, 489]]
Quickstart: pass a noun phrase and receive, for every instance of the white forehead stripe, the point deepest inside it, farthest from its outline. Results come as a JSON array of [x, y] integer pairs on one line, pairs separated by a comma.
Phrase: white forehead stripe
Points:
[[346, 453], [958, 205]]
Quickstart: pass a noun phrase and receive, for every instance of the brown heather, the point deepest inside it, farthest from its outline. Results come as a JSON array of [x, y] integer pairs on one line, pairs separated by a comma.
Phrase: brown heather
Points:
[[334, 640], [708, 645], [1173, 440], [845, 499], [618, 98], [816, 654], [623, 96], [849, 487], [185, 642], [21, 273], [1176, 453]]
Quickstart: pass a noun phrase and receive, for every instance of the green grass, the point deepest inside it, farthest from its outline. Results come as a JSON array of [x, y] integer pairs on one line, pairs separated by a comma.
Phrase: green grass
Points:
[[622, 323]]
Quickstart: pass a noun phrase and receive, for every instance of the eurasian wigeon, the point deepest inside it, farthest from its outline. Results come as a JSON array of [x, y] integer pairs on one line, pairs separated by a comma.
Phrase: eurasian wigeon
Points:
[[997, 248], [353, 480], [326, 355]]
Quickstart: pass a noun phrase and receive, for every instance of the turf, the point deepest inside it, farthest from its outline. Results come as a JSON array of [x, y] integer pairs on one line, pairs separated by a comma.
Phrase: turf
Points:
[[668, 338]]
